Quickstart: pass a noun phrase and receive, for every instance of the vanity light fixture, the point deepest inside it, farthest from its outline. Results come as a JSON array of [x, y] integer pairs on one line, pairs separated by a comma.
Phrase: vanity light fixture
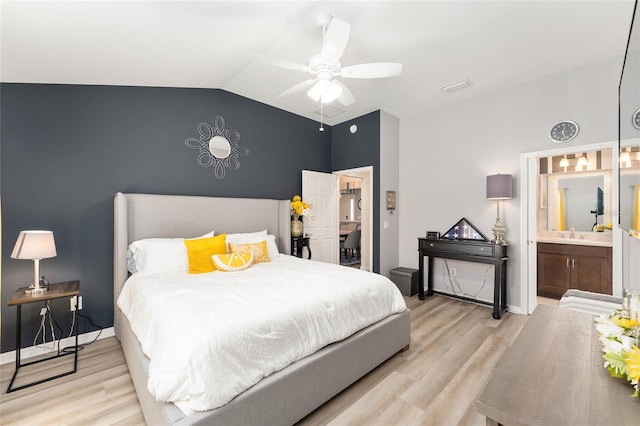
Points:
[[35, 245], [499, 187], [625, 158], [582, 160], [564, 162]]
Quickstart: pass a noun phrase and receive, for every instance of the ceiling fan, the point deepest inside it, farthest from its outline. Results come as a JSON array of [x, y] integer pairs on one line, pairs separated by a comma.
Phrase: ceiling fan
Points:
[[326, 67]]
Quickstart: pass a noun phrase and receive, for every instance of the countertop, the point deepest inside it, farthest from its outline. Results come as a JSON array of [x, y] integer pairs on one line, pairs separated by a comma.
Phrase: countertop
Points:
[[576, 241]]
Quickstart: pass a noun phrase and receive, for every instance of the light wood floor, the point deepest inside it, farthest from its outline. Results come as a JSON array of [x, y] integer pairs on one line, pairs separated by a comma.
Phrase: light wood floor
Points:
[[454, 347]]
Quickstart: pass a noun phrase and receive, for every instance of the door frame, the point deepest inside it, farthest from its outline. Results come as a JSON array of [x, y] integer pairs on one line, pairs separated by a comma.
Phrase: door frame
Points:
[[529, 218], [366, 243]]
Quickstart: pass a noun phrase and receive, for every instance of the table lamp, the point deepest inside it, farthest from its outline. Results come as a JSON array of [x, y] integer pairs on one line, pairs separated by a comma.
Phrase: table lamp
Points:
[[35, 245], [499, 187]]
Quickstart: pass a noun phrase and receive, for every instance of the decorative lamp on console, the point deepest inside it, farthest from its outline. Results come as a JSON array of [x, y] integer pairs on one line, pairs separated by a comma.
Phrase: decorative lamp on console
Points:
[[35, 245], [499, 187]]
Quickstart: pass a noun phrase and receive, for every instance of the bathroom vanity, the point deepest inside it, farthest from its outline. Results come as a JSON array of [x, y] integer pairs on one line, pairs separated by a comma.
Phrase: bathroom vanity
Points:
[[573, 264]]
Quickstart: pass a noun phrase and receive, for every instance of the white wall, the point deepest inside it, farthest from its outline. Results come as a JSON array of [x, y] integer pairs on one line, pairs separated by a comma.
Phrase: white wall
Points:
[[389, 181], [446, 155]]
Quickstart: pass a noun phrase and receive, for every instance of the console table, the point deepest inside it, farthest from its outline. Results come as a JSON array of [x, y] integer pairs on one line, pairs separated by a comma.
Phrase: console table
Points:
[[469, 251], [553, 374]]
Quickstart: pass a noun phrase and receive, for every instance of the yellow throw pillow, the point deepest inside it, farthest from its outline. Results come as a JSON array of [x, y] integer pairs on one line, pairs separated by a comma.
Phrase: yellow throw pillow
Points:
[[260, 253], [232, 261], [200, 251]]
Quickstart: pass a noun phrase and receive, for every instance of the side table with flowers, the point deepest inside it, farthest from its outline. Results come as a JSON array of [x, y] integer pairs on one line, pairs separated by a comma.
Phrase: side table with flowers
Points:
[[298, 208]]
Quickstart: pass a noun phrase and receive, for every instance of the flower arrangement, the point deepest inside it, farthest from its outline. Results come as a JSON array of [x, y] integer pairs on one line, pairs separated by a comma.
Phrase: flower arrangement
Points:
[[299, 207], [619, 336]]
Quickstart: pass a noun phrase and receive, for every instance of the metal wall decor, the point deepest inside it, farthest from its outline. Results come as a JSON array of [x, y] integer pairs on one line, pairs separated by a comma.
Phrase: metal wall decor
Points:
[[218, 147], [391, 200]]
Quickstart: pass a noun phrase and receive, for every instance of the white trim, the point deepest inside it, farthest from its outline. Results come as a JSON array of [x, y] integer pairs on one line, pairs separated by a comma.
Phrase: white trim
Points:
[[517, 310], [32, 351]]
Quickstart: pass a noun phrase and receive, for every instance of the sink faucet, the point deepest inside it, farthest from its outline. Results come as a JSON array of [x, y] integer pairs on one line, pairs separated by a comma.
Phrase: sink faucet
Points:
[[572, 233]]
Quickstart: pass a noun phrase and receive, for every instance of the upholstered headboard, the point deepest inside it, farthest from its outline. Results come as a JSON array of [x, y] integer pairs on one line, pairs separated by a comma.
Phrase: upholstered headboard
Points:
[[138, 216]]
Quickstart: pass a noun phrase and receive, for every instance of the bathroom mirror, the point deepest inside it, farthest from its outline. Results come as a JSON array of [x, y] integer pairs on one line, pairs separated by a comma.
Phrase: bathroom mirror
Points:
[[575, 192], [629, 132]]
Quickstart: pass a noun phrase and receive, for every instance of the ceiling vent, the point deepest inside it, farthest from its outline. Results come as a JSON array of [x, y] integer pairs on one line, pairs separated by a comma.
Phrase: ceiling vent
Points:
[[458, 85], [329, 111]]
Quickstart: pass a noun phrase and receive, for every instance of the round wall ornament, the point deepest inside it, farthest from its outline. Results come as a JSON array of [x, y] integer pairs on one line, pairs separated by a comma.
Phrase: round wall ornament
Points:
[[564, 131], [217, 147], [636, 119]]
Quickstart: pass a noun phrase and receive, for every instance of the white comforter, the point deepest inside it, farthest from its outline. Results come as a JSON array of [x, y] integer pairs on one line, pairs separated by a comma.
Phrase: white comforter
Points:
[[211, 336]]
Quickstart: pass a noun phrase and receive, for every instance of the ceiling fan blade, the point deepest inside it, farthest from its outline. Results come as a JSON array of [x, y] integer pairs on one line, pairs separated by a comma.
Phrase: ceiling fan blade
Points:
[[300, 87], [335, 40], [346, 98], [373, 70], [281, 63]]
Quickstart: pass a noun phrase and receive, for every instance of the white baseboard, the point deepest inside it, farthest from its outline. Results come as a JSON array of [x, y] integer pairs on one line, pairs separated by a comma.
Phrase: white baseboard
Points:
[[517, 310], [32, 351]]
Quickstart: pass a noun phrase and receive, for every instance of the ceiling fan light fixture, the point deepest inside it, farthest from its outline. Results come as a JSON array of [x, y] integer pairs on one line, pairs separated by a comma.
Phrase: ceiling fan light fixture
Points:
[[324, 91]]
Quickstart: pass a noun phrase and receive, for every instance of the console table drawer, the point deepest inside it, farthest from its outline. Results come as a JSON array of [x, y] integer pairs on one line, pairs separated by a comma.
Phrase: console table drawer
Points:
[[480, 249]]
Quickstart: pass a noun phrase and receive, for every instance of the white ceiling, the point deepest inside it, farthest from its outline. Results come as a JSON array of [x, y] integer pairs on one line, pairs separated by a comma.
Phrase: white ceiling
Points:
[[208, 44]]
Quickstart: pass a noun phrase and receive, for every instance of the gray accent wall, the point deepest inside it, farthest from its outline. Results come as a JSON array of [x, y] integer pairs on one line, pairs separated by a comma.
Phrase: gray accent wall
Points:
[[67, 149], [360, 149]]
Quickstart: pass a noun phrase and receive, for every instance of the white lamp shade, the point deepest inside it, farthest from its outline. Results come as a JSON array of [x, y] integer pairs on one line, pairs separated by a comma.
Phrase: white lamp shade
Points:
[[499, 187], [34, 245]]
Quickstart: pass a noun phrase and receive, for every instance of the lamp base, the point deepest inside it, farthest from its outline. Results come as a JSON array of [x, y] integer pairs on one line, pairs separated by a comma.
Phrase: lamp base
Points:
[[498, 231], [35, 290]]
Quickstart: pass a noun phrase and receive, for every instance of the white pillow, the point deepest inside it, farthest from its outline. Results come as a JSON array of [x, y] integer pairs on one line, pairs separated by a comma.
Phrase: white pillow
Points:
[[153, 255], [256, 237], [233, 238]]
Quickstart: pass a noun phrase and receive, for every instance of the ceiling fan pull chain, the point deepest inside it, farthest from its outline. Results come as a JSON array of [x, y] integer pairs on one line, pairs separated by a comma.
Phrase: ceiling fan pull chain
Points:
[[321, 126]]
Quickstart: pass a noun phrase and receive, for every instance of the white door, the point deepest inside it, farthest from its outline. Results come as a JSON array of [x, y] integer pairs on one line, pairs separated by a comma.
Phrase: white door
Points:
[[321, 191]]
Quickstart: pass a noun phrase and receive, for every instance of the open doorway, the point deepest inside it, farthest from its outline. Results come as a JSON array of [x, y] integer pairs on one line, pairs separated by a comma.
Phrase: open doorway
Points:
[[350, 224], [546, 219], [355, 220]]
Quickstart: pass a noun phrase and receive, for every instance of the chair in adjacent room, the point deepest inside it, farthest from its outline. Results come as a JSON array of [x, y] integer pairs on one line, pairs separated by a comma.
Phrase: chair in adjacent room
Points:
[[351, 244]]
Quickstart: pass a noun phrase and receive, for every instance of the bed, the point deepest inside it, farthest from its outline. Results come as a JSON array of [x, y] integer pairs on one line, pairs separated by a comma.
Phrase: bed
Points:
[[283, 397]]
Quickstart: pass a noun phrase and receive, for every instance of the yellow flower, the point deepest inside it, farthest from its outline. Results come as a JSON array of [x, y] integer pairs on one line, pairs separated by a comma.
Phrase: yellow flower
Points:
[[623, 322], [298, 207], [632, 359]]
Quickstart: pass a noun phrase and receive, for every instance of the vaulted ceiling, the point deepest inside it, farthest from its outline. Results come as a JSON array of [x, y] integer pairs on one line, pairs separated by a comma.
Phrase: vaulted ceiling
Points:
[[209, 44]]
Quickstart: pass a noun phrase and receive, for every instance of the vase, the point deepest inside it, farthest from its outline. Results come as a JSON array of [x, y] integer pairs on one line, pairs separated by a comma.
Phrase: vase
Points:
[[297, 228]]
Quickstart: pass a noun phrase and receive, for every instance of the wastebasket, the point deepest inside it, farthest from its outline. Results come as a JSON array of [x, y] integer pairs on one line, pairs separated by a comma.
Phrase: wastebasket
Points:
[[406, 279]]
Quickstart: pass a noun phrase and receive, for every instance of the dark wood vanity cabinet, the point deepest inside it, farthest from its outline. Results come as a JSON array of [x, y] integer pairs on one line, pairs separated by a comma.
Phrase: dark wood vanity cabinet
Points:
[[565, 266]]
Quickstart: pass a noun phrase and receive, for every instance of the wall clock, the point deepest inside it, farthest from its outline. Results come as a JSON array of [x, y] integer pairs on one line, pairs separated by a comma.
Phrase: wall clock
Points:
[[564, 131], [636, 119]]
